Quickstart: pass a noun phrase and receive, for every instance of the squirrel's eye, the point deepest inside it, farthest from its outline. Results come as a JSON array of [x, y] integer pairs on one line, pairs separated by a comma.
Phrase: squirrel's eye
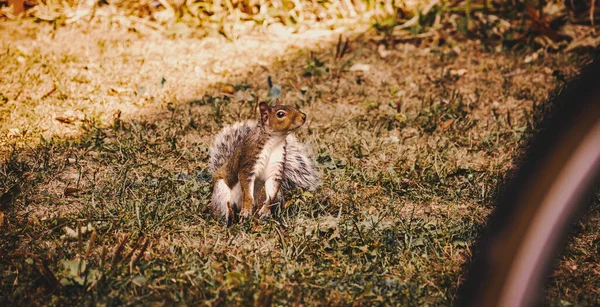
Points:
[[280, 114]]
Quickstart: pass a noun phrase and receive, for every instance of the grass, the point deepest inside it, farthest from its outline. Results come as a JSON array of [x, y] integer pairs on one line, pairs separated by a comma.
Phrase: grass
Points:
[[104, 191]]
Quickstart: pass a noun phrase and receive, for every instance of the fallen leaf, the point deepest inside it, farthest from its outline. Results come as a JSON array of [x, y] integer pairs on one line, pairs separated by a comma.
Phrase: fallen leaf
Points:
[[71, 191], [418, 242], [228, 89], [64, 120], [13, 132], [383, 53], [393, 139], [1, 218], [329, 223], [139, 280], [70, 232], [587, 43], [554, 9], [400, 117], [235, 278], [445, 125], [531, 57], [360, 67], [74, 269], [459, 243], [458, 72]]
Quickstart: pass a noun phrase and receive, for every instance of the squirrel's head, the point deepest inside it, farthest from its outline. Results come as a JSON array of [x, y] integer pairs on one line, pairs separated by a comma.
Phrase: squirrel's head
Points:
[[281, 118]]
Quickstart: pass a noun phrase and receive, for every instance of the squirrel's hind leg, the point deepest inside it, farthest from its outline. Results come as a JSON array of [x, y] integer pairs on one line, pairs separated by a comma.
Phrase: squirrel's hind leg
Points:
[[225, 200]]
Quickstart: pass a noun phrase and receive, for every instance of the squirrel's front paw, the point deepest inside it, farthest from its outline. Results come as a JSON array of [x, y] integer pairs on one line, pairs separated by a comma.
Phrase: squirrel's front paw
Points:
[[264, 212], [245, 214]]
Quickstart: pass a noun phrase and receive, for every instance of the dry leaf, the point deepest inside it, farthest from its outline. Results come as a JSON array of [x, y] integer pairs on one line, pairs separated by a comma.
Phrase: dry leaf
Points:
[[70, 232], [588, 43], [531, 57], [13, 132], [64, 120], [228, 89], [445, 125], [1, 218], [71, 191], [458, 72], [360, 67], [383, 53]]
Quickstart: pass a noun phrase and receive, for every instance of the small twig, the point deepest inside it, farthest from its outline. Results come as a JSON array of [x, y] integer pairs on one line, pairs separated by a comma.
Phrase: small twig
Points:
[[18, 94], [341, 47], [358, 230], [93, 14], [49, 92], [337, 47], [345, 47]]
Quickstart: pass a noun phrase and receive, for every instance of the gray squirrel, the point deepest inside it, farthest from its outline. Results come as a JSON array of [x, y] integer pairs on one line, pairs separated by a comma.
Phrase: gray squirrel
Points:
[[251, 155]]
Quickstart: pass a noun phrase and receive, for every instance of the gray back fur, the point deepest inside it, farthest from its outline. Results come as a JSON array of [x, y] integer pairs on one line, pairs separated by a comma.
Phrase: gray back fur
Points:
[[300, 170]]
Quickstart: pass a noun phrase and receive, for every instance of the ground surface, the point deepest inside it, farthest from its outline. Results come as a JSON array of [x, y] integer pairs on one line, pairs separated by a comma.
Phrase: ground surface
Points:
[[104, 135]]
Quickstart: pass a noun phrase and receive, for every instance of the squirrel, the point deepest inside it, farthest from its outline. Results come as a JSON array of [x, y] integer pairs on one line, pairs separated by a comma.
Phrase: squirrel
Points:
[[251, 159]]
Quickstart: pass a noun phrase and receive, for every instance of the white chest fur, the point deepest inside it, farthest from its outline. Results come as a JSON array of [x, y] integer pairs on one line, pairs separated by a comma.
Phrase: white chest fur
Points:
[[270, 160]]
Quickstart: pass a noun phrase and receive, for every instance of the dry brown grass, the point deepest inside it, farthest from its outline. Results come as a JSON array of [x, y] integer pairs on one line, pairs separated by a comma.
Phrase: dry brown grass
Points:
[[412, 143]]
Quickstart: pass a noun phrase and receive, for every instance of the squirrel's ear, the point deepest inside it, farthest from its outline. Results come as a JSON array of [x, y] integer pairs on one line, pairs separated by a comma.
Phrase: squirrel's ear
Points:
[[264, 111], [277, 102]]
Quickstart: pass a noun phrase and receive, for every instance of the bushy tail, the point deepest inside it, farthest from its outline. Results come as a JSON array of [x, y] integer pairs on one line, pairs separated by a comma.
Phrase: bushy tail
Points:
[[226, 141], [300, 170]]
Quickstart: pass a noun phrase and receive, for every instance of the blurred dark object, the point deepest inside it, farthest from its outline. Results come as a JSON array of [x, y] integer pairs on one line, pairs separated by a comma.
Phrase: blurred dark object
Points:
[[537, 210], [583, 11]]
